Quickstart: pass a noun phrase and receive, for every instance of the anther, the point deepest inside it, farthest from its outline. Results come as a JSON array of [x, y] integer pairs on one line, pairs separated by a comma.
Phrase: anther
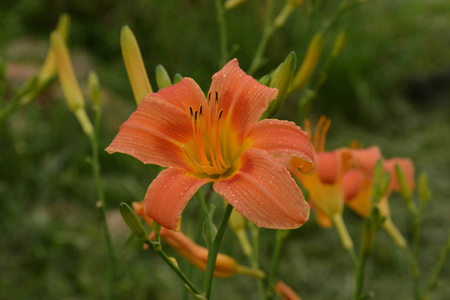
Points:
[[220, 115], [217, 98], [201, 111], [191, 111], [195, 115]]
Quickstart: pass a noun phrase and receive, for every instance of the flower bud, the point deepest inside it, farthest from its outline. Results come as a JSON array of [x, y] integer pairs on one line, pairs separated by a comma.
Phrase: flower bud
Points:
[[230, 4], [339, 44], [49, 67], [94, 90], [177, 78], [309, 63], [162, 77], [265, 80], [404, 188], [132, 220], [134, 64], [423, 188], [69, 83], [281, 79]]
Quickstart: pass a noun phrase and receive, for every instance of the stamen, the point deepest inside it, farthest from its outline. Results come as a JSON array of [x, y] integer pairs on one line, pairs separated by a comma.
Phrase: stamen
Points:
[[191, 111], [220, 115], [325, 128], [201, 110]]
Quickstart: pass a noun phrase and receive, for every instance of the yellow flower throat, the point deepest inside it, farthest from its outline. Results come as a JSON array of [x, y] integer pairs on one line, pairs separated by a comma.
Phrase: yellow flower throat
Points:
[[208, 128]]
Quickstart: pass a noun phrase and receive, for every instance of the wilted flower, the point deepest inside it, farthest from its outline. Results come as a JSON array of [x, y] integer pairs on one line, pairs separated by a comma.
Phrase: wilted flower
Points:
[[219, 139]]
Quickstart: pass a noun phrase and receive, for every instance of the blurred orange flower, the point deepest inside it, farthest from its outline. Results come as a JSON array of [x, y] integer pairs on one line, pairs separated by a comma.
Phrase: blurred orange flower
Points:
[[324, 185], [219, 139]]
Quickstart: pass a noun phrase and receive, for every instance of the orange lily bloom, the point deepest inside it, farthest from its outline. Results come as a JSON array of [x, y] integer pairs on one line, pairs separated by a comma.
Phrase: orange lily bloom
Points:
[[357, 183], [219, 139], [286, 292], [226, 266], [324, 186]]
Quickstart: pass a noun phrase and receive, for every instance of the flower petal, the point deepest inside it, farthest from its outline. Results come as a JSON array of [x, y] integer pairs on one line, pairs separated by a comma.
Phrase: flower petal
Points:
[[154, 134], [328, 166], [366, 159], [168, 195], [352, 183], [406, 165], [184, 94], [242, 98], [283, 138], [264, 192]]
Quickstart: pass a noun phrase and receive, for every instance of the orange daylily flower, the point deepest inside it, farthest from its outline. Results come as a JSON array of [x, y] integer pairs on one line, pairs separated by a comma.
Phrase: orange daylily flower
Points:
[[357, 182], [219, 139], [324, 186], [286, 292], [226, 266]]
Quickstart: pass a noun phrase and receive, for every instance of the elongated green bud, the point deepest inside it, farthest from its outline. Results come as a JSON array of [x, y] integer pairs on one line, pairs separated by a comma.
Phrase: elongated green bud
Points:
[[309, 63], [281, 79], [177, 78], [403, 184], [423, 189], [339, 43], [230, 4], [162, 77], [49, 67], [133, 222], [69, 83], [134, 64], [265, 79], [94, 90]]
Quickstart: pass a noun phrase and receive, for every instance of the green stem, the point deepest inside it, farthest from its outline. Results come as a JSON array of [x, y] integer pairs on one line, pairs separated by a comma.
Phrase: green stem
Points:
[[346, 240], [438, 267], [359, 278], [157, 247], [275, 259], [254, 259], [214, 250], [211, 232], [267, 33], [221, 21], [101, 204]]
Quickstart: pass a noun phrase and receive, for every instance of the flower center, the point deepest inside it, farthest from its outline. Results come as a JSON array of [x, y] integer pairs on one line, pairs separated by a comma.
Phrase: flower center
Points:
[[208, 132]]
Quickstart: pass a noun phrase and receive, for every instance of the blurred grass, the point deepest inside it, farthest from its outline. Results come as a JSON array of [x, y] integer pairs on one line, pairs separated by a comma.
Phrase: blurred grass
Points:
[[390, 87]]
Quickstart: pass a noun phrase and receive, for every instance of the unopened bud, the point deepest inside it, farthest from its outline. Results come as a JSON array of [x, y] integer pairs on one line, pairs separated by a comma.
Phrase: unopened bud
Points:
[[230, 4], [265, 80], [339, 43], [177, 78], [134, 64], [69, 83], [94, 89], [133, 222], [309, 63], [49, 67], [281, 79], [162, 77], [423, 188], [404, 188]]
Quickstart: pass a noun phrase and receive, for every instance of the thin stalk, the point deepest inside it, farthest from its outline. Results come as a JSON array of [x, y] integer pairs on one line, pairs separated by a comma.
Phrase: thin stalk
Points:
[[432, 282], [267, 33], [221, 21], [157, 247], [214, 250], [254, 259], [346, 240], [359, 279], [208, 218], [101, 204], [275, 259]]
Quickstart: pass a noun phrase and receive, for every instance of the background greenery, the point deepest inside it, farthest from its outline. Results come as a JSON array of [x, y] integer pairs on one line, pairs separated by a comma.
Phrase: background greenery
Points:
[[390, 87]]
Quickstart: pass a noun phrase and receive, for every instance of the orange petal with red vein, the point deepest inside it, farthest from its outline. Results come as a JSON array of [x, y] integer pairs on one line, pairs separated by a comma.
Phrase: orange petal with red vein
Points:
[[184, 94], [242, 98], [283, 138], [328, 166], [168, 195], [406, 165], [366, 159], [264, 192], [154, 134]]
